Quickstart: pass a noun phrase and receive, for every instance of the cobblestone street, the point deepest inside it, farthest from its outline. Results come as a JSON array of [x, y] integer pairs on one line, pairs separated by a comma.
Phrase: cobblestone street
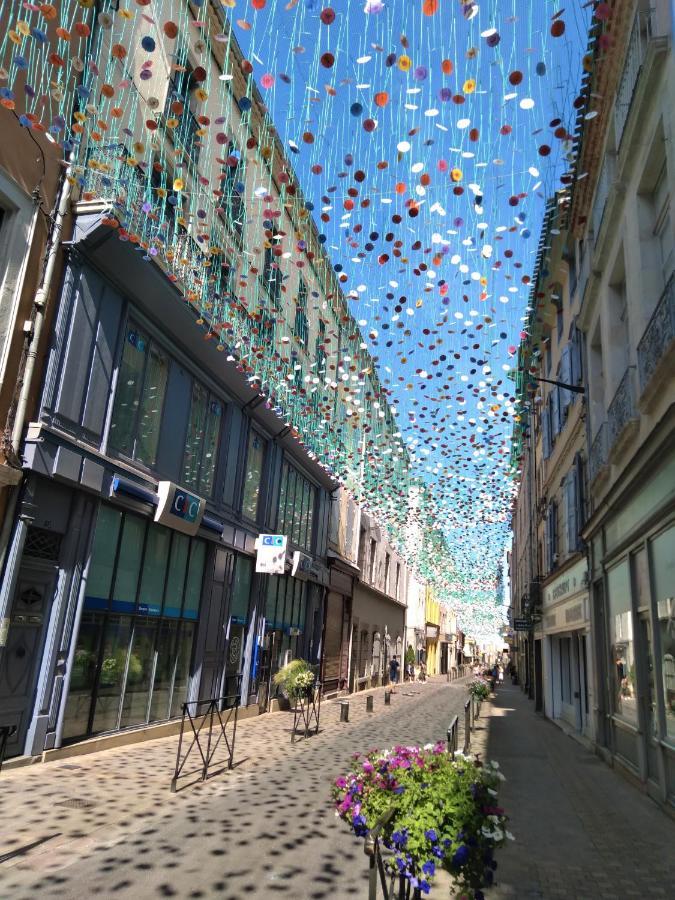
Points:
[[268, 828]]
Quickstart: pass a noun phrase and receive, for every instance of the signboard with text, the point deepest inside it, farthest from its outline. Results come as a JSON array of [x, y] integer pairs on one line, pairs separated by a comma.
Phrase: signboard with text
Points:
[[521, 624], [271, 558], [178, 508]]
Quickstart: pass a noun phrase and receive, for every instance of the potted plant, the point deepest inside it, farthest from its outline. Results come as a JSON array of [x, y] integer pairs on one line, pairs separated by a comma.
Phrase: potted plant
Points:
[[445, 814], [295, 680], [479, 689]]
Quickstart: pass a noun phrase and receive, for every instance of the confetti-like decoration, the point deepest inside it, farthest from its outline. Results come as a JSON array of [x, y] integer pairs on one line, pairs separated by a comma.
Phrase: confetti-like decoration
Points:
[[350, 196]]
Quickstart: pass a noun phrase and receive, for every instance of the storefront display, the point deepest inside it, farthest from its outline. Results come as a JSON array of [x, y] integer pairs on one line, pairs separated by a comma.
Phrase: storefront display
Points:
[[134, 645]]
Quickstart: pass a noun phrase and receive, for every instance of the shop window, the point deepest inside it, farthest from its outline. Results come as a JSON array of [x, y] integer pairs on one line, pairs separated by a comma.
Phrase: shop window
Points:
[[139, 398], [297, 497], [663, 567], [255, 459], [134, 645], [201, 445], [623, 675]]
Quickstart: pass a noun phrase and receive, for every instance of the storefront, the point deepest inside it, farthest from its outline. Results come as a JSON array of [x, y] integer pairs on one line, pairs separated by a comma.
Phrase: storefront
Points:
[[432, 649], [566, 646], [337, 626], [378, 630], [634, 594]]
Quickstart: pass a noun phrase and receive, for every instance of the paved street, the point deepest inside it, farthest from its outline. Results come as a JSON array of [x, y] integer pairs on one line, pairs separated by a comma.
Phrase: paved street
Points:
[[268, 827]]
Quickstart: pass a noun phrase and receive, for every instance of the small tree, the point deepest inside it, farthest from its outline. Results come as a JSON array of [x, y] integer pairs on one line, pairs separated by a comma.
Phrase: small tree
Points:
[[410, 656]]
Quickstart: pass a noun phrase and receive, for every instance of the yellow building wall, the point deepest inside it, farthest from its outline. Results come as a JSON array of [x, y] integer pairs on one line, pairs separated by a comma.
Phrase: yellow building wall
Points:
[[433, 617]]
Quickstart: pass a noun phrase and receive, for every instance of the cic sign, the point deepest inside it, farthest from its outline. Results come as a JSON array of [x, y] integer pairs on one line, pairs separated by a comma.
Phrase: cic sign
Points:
[[178, 508], [271, 558]]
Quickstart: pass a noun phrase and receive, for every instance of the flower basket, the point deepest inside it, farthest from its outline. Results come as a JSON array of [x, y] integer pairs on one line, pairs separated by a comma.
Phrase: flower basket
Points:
[[479, 689], [296, 680], [445, 814]]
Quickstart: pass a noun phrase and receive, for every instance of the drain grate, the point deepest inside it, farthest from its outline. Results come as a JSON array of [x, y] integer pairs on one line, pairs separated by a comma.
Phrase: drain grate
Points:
[[76, 803]]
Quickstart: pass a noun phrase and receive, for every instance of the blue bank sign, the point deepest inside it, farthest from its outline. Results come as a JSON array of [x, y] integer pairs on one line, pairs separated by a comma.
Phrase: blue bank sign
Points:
[[178, 508]]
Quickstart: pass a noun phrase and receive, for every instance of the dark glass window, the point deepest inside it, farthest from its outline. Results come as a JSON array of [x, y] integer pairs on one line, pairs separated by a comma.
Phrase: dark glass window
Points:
[[297, 497], [201, 445], [134, 644], [255, 458], [139, 398]]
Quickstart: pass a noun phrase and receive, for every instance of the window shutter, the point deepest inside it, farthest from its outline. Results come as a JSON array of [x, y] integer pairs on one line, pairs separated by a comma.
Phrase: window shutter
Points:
[[555, 412], [572, 512], [546, 430], [580, 498], [566, 377], [576, 361]]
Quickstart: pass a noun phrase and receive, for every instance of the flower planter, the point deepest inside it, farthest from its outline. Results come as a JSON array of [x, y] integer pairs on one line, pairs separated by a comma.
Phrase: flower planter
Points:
[[423, 813]]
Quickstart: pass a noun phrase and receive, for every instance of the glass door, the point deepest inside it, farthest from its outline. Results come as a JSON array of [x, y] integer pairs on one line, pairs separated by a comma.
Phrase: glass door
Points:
[[649, 699]]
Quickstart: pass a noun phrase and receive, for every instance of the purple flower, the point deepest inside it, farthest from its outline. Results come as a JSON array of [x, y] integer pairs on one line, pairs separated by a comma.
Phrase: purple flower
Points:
[[431, 835], [460, 855], [429, 867], [425, 887]]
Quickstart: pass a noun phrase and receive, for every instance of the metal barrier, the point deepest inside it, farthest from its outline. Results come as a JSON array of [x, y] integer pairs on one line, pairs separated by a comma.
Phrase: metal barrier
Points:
[[453, 736], [476, 708], [467, 726], [394, 886], [219, 714], [6, 732], [307, 712]]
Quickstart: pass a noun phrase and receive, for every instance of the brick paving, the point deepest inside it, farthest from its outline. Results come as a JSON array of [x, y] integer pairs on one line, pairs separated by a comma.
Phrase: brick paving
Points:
[[268, 829]]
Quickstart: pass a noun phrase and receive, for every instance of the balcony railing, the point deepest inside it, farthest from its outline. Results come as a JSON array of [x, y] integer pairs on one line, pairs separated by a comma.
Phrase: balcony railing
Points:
[[602, 192], [657, 341], [621, 410], [631, 72], [598, 455]]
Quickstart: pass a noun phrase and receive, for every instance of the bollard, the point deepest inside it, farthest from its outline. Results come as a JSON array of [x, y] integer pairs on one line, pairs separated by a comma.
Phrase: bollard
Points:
[[467, 726], [344, 710], [387, 698], [369, 703]]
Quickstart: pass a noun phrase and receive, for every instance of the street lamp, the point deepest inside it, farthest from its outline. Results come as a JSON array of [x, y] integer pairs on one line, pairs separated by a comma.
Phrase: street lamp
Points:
[[575, 388]]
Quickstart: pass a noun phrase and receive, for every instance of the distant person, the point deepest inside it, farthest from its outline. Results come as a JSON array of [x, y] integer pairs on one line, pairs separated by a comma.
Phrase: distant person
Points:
[[423, 672], [501, 675], [393, 670]]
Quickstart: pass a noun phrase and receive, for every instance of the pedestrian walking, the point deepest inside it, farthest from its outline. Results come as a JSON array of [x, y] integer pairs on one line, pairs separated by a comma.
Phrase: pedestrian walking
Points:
[[501, 674], [393, 670]]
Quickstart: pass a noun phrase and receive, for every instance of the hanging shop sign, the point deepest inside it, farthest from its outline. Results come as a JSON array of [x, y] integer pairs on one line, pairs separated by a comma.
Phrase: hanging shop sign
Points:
[[432, 632], [306, 568], [271, 558], [521, 624], [178, 508]]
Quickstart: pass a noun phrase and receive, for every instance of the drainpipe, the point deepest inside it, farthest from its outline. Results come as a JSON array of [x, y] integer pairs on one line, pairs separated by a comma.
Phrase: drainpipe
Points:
[[25, 382]]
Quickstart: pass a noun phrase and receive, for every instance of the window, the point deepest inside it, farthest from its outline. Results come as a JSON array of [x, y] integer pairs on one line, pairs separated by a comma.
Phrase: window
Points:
[[139, 398], [397, 588], [387, 565], [622, 664], [551, 529], [362, 550], [576, 346], [201, 445], [232, 209], [297, 497], [181, 111], [301, 326], [663, 567], [255, 458], [557, 301], [546, 428], [371, 562], [663, 231], [134, 645], [271, 274]]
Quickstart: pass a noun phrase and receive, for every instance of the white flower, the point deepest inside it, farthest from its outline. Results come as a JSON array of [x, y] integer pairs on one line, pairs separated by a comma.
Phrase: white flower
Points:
[[428, 746], [509, 836], [493, 793]]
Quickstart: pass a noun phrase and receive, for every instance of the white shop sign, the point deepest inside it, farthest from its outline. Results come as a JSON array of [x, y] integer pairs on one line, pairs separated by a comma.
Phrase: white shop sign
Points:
[[571, 582], [271, 558]]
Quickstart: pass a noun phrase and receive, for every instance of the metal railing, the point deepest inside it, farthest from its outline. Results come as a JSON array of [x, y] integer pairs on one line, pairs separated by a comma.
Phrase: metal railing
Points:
[[453, 736], [632, 67], [598, 454], [307, 712], [621, 410], [203, 719], [658, 337], [394, 886]]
